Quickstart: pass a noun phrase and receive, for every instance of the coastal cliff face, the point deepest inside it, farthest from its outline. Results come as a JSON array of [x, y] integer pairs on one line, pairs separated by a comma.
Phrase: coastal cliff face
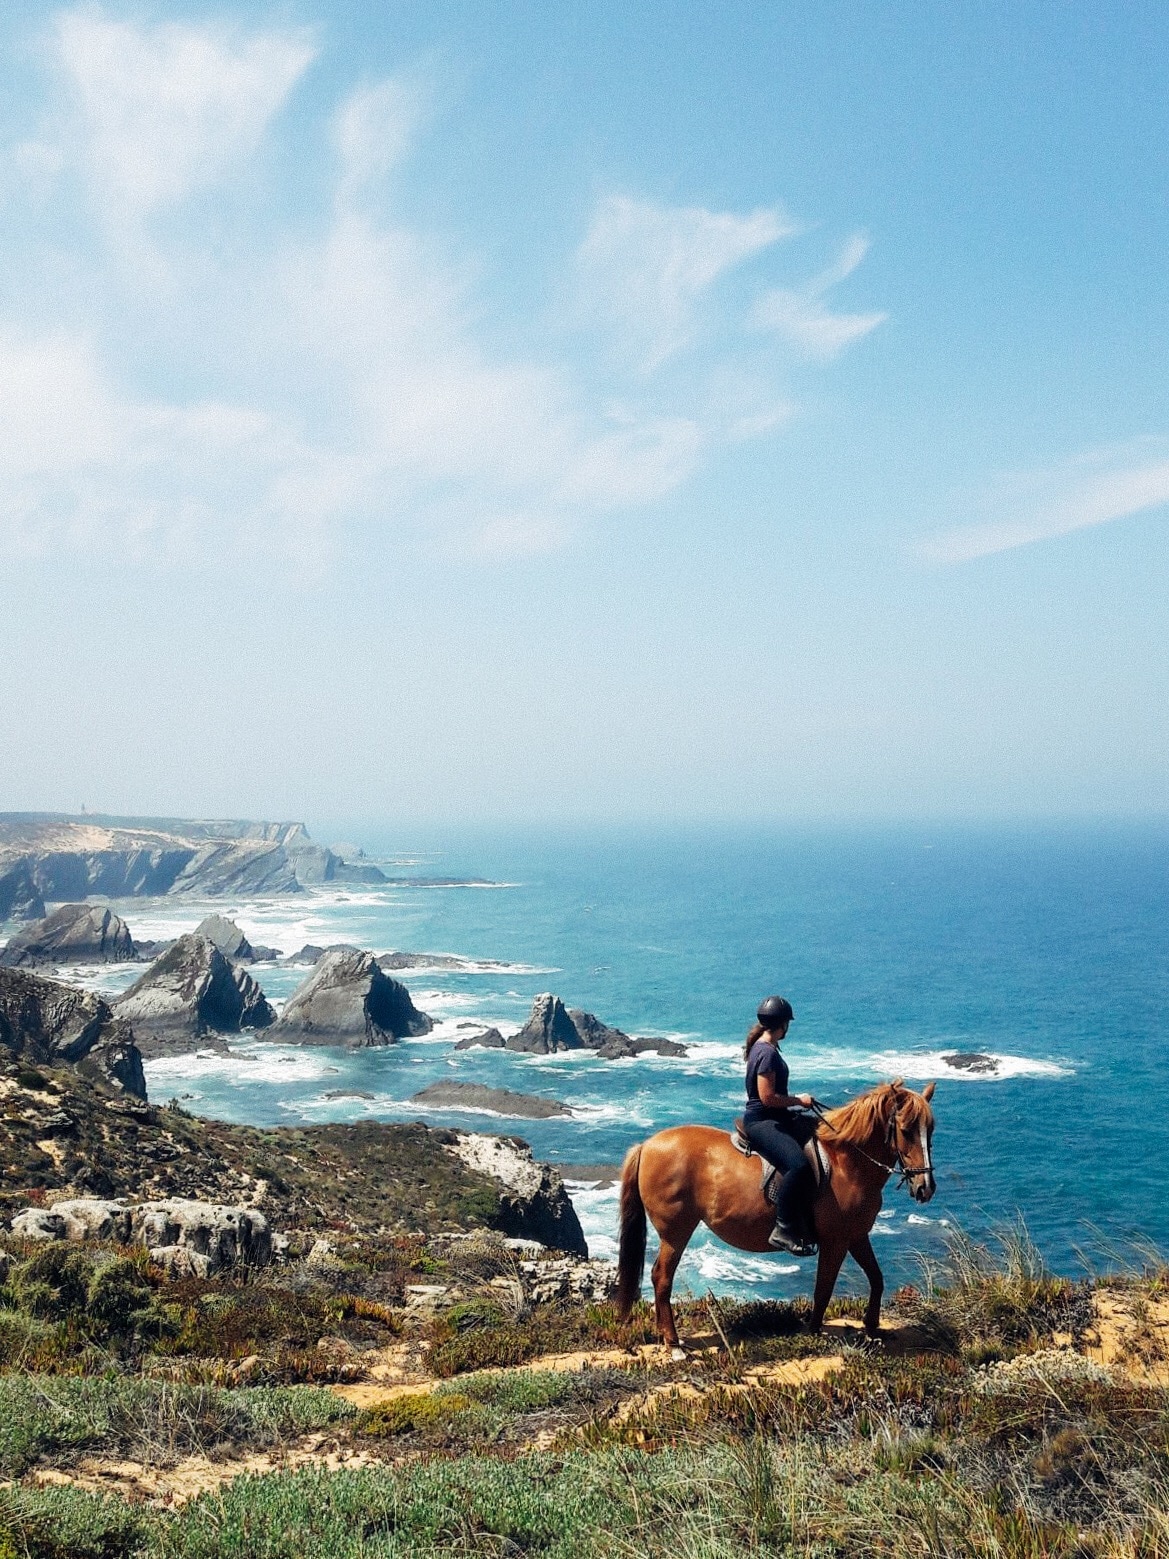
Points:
[[45, 1023], [56, 858]]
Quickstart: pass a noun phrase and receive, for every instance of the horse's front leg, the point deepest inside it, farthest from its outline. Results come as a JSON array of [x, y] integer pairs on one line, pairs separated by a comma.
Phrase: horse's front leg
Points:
[[861, 1251], [828, 1270]]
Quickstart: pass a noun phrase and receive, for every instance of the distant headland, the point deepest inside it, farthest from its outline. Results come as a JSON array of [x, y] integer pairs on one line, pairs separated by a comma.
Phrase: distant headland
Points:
[[52, 857]]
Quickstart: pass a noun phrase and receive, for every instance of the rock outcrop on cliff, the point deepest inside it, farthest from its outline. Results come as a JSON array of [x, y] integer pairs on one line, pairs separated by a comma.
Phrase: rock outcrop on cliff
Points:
[[20, 898], [192, 995], [188, 1238], [45, 1023], [348, 1000], [74, 933], [548, 1029], [533, 1202]]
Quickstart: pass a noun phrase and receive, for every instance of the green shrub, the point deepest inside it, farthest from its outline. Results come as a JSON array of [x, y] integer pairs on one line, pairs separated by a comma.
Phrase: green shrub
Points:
[[67, 1524]]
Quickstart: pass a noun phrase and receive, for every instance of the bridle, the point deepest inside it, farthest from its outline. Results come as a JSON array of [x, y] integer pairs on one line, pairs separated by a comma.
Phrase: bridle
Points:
[[905, 1172]]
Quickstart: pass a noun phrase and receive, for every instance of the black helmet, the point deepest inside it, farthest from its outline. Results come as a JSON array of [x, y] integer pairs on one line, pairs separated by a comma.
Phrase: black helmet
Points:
[[774, 1011]]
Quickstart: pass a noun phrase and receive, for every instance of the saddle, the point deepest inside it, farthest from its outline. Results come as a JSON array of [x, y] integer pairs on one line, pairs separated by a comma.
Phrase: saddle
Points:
[[813, 1151]]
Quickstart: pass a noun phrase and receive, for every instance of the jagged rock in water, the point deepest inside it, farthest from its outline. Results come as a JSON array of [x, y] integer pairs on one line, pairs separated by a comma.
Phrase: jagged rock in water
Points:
[[20, 898], [348, 1000], [548, 1029], [73, 933], [233, 943], [971, 1061], [189, 995], [614, 1044], [533, 1202], [311, 954], [499, 1101], [47, 1023], [488, 1039], [227, 936]]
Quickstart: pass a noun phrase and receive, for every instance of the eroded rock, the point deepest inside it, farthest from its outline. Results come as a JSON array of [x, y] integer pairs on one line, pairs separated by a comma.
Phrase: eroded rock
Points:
[[47, 1023], [548, 1029], [533, 1202], [348, 1000], [189, 995], [498, 1101], [73, 933]]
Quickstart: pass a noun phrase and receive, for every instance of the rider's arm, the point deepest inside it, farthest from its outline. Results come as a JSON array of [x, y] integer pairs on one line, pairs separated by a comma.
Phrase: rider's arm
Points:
[[774, 1100]]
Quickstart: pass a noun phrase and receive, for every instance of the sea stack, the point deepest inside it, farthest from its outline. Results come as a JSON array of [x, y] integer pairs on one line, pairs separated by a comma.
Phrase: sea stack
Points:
[[348, 1000]]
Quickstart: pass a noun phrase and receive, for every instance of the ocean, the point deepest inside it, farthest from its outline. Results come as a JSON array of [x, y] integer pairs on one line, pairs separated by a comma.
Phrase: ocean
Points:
[[1046, 949]]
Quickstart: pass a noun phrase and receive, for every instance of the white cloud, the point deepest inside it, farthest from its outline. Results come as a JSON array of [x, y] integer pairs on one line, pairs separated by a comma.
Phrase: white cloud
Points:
[[643, 268], [1093, 489], [286, 382], [169, 109], [801, 316]]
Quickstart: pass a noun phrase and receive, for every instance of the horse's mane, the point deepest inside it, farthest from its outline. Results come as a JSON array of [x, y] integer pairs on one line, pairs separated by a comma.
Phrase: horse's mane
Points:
[[862, 1118]]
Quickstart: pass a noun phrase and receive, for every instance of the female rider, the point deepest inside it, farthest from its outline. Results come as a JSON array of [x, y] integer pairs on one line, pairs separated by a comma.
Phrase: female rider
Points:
[[772, 1124]]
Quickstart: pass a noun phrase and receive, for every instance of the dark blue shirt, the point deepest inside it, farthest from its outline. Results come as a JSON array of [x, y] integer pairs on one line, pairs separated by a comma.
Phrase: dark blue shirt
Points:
[[765, 1060]]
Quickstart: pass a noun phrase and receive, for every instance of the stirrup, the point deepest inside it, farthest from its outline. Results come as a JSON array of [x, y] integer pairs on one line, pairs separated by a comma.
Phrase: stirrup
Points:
[[782, 1239]]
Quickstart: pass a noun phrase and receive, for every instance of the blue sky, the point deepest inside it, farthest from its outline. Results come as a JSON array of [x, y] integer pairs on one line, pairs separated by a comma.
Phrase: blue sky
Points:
[[454, 412]]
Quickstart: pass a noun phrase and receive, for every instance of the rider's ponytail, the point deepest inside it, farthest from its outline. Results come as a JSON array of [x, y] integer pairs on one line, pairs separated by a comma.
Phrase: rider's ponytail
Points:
[[753, 1033]]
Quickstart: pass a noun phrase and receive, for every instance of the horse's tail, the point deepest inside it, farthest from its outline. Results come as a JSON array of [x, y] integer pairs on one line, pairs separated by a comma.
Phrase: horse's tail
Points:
[[631, 1247]]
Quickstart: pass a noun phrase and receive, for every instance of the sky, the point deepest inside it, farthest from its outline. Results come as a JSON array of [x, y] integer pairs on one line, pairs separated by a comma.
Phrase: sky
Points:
[[505, 412]]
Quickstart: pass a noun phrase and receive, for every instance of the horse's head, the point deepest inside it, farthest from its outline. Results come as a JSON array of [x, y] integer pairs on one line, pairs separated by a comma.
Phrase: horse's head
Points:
[[910, 1129]]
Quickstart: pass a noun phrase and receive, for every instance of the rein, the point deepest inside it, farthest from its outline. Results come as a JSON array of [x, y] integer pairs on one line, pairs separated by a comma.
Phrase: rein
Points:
[[907, 1171]]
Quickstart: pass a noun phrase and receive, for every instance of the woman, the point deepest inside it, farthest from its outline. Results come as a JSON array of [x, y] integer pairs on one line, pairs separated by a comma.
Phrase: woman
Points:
[[771, 1123]]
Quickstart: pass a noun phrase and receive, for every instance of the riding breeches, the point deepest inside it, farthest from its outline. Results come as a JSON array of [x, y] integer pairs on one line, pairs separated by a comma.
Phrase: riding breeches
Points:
[[769, 1139]]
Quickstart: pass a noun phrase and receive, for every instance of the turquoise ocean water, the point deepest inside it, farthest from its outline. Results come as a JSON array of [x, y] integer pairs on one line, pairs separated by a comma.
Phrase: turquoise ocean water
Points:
[[1045, 949]]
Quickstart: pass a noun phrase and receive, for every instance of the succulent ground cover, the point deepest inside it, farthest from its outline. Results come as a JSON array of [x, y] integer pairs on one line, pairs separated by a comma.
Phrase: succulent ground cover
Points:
[[987, 1427]]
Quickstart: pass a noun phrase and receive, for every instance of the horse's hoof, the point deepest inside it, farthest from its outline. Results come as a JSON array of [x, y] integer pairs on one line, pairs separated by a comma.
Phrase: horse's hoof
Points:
[[677, 1354]]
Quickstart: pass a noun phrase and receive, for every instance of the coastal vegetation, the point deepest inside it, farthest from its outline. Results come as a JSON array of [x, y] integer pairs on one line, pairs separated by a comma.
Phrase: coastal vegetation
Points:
[[1009, 1413]]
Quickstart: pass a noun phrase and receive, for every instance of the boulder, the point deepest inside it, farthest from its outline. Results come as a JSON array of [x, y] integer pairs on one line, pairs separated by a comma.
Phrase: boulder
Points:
[[488, 1039], [348, 1000], [94, 1218], [533, 1202], [38, 1223], [72, 934], [222, 1236], [498, 1101], [47, 1023], [20, 898], [192, 993], [548, 1029]]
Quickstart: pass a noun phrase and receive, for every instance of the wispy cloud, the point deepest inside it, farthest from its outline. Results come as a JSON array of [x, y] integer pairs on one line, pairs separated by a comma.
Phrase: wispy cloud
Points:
[[1093, 489], [644, 268], [297, 375], [801, 316]]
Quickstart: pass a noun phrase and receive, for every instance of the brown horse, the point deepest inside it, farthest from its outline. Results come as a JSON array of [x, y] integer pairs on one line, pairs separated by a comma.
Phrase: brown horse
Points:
[[694, 1174]]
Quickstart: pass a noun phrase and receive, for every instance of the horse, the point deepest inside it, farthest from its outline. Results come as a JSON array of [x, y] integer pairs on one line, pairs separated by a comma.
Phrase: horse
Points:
[[689, 1175]]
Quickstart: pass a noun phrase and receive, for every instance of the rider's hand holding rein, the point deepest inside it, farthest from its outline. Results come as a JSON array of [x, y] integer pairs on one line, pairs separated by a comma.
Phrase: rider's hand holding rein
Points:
[[775, 1100]]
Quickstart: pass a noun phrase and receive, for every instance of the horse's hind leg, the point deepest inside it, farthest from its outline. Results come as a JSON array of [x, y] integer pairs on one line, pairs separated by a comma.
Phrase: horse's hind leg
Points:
[[669, 1255]]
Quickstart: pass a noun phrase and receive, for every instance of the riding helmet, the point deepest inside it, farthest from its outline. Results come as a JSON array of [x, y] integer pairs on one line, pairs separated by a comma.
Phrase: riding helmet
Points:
[[774, 1010]]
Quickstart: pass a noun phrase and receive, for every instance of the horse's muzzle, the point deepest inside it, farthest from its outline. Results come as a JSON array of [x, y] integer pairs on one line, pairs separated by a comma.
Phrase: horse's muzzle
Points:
[[924, 1188]]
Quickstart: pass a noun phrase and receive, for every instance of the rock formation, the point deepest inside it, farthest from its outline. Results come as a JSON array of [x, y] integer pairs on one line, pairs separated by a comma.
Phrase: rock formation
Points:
[[45, 1023], [191, 994], [548, 1029], [232, 942], [551, 1027], [487, 1039], [74, 933], [188, 1238], [20, 898], [347, 1000], [533, 1202], [497, 1101]]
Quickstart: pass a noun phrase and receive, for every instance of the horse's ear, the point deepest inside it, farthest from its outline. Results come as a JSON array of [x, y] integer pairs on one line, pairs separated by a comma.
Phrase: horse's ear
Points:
[[928, 1091], [898, 1082]]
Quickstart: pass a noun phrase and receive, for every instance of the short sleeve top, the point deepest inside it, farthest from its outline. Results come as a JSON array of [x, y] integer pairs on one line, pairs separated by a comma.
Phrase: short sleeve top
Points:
[[764, 1059]]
